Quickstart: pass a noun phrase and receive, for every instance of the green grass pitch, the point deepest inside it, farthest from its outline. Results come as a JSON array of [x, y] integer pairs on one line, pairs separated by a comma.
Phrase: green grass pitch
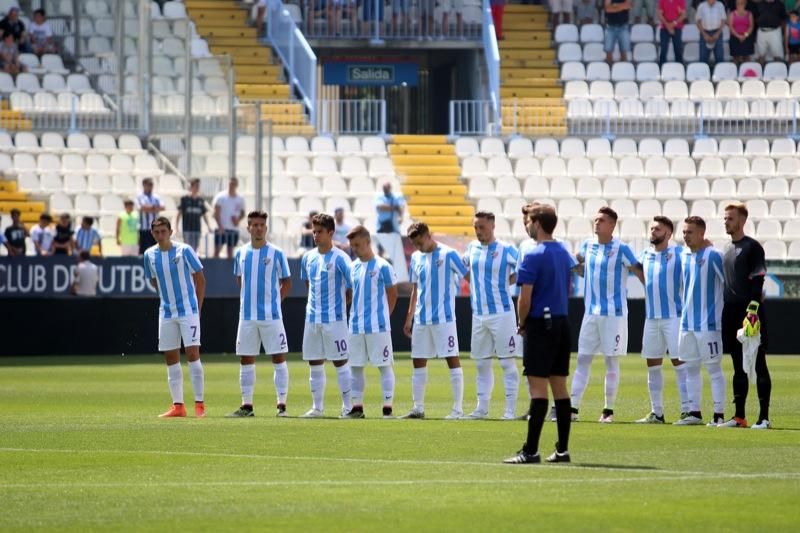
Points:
[[81, 449]]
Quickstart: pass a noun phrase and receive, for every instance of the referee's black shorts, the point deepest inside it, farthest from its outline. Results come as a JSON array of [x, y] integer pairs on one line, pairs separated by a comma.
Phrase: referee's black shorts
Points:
[[546, 350]]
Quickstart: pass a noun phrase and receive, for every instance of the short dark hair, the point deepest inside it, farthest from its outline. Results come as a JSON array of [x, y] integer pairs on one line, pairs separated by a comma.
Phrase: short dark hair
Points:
[[358, 231], [41, 12], [147, 180], [418, 229], [697, 221], [194, 181], [16, 212], [84, 255], [87, 220], [605, 210], [666, 221], [161, 221], [233, 179], [324, 220], [45, 217], [256, 213], [488, 215], [739, 207], [546, 216], [128, 202]]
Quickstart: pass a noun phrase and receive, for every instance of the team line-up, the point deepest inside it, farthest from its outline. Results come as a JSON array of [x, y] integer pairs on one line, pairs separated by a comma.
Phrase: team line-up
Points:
[[697, 300]]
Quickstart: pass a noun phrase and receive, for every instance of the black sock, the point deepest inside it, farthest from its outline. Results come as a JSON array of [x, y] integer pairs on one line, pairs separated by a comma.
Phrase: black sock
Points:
[[696, 414], [563, 421], [764, 386], [538, 412], [740, 386]]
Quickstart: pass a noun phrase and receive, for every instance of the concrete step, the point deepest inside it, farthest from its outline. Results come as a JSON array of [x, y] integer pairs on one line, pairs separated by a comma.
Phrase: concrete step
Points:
[[422, 149], [427, 160], [419, 139], [454, 189]]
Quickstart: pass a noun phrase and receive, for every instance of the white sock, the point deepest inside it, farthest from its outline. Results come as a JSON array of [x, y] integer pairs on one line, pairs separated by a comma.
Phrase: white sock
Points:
[[317, 381], [359, 384], [387, 385], [717, 378], [345, 378], [457, 384], [683, 393], [612, 381], [580, 379], [694, 385], [419, 378], [511, 381], [198, 381], [655, 384], [175, 382], [485, 383], [247, 382], [280, 377]]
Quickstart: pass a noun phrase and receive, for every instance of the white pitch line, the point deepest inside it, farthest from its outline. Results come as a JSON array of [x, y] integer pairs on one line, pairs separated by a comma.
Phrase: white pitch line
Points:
[[674, 474]]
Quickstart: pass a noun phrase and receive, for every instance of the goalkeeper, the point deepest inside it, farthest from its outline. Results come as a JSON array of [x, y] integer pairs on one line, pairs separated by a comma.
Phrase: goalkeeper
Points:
[[745, 269]]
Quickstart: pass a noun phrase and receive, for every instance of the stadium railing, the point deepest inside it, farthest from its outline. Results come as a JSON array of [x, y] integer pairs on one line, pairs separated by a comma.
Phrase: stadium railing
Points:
[[491, 53], [471, 117], [356, 117]]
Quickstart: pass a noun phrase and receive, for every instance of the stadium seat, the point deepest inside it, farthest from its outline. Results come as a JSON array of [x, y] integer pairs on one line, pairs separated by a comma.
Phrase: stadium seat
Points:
[[499, 167], [676, 210], [791, 230], [775, 250], [508, 187], [676, 148], [641, 189], [491, 147], [536, 186], [572, 147], [631, 167], [527, 167], [592, 33], [573, 71], [520, 147], [598, 71], [546, 147], [553, 167], [566, 33], [748, 188], [605, 167], [479, 187], [615, 188], [624, 147], [775, 189], [467, 146], [721, 188], [668, 189], [782, 210], [563, 187], [587, 188], [623, 71], [697, 71], [647, 209]]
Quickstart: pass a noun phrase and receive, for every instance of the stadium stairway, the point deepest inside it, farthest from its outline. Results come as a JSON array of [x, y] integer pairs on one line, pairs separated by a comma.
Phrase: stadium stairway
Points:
[[258, 72], [430, 175], [530, 89], [13, 120], [11, 198]]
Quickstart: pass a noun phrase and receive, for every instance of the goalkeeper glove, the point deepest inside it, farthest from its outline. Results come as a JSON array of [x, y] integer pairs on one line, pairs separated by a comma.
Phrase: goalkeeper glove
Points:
[[751, 323]]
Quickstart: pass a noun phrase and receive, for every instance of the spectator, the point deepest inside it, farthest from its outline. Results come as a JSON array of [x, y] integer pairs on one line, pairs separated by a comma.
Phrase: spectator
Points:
[[306, 235], [643, 11], [228, 211], [741, 24], [84, 282], [193, 211], [86, 237], [793, 37], [399, 10], [128, 230], [15, 235], [9, 55], [42, 235], [261, 11], [671, 16], [561, 11], [770, 19], [498, 7], [149, 206], [711, 18], [41, 34], [13, 25], [340, 239], [389, 210], [62, 241], [617, 29], [456, 7], [586, 12]]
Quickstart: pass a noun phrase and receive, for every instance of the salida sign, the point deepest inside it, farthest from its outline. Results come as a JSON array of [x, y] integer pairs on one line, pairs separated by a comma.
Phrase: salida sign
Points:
[[377, 74]]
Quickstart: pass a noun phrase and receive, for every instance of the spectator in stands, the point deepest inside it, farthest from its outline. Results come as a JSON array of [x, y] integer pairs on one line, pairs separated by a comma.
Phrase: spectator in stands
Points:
[[644, 11], [426, 9], [561, 11], [261, 11], [15, 235], [617, 29], [711, 18], [13, 25], [455, 6], [399, 11], [671, 16], [741, 23], [86, 277], [9, 55], [192, 210], [42, 235], [793, 37], [149, 206], [389, 210], [497, 7], [62, 241], [340, 239], [128, 230], [586, 12], [368, 18], [306, 236], [770, 20], [41, 34], [228, 212], [86, 237]]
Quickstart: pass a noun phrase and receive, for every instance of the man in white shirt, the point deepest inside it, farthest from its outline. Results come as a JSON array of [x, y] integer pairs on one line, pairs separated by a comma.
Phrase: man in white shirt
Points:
[[42, 235], [41, 34], [342, 229], [84, 282], [228, 211], [711, 19]]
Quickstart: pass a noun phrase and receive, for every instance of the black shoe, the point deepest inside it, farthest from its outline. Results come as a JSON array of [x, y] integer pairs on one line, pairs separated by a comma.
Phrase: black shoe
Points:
[[387, 412], [356, 411], [523, 457], [242, 412], [281, 411], [557, 457]]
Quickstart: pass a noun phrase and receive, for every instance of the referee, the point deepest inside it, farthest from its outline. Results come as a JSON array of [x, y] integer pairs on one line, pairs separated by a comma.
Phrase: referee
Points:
[[744, 268], [542, 311]]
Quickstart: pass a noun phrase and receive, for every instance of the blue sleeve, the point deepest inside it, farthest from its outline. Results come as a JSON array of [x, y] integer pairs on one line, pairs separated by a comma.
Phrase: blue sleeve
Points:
[[344, 268], [412, 271], [147, 272], [387, 275], [457, 264], [528, 270], [304, 268], [716, 263], [237, 270], [628, 257], [584, 246], [194, 261], [513, 256], [283, 266]]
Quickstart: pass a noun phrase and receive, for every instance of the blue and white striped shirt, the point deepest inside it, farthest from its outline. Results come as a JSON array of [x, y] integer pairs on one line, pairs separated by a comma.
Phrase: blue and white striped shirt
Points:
[[703, 286], [328, 278], [261, 270], [436, 275], [86, 238], [146, 219], [369, 312], [173, 271], [605, 277], [490, 266], [662, 282]]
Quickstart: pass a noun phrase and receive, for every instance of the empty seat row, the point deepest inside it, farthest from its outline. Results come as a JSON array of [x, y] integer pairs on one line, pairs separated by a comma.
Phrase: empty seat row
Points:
[[98, 184], [640, 33], [26, 141], [27, 82], [91, 205], [100, 8], [674, 90], [683, 108], [65, 102], [650, 71], [642, 52], [72, 163], [294, 166]]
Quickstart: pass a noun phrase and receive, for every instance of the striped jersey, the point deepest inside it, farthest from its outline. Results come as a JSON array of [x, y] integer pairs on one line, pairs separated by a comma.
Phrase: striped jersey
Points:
[[703, 287], [146, 219], [172, 270], [261, 270], [369, 311], [86, 238], [328, 277], [436, 275], [662, 282], [490, 266], [605, 277]]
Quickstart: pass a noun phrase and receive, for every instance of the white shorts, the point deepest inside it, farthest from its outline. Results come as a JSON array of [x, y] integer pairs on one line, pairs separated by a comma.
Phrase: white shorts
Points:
[[375, 348], [660, 335], [434, 340], [607, 335], [700, 345], [172, 330], [253, 334], [769, 44], [495, 334], [560, 6], [326, 341]]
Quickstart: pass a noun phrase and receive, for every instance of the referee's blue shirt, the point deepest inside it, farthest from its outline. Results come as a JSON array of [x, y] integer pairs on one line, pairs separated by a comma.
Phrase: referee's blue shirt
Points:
[[548, 268]]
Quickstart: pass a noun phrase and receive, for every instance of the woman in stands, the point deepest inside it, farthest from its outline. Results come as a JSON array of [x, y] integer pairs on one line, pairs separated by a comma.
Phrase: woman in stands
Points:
[[9, 55], [741, 23]]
